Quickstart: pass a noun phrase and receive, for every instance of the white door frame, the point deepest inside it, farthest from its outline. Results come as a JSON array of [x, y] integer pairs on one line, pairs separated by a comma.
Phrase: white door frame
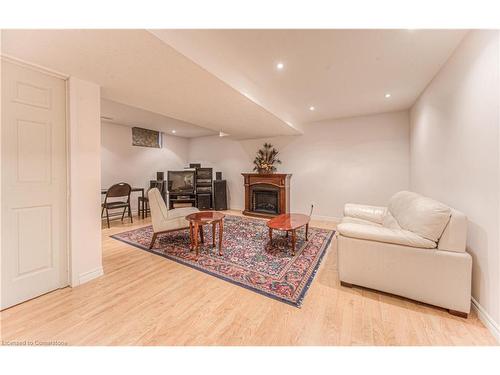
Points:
[[65, 78]]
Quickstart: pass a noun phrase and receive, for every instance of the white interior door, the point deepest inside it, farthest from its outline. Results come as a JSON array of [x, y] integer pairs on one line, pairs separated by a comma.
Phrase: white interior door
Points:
[[34, 200]]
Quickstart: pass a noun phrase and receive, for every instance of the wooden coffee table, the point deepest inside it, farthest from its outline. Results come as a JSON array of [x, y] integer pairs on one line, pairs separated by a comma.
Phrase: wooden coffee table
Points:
[[288, 223], [196, 222]]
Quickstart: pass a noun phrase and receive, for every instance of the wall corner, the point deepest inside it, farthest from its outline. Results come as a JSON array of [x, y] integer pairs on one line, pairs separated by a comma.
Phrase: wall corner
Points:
[[84, 140]]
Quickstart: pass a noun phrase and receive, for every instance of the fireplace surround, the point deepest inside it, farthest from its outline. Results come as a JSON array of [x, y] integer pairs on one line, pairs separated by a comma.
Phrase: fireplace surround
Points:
[[266, 195]]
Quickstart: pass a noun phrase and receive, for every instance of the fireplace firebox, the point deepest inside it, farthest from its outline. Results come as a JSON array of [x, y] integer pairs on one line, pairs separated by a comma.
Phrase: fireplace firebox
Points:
[[265, 200], [267, 195]]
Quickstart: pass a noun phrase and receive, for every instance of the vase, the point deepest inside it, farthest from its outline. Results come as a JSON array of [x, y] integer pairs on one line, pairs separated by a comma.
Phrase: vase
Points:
[[264, 171]]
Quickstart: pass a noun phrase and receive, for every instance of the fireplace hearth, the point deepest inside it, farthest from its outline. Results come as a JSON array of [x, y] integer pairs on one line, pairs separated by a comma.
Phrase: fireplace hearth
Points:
[[267, 195]]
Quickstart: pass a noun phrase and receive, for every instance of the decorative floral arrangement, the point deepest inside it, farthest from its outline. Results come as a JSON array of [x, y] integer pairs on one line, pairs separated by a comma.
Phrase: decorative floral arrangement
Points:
[[266, 158]]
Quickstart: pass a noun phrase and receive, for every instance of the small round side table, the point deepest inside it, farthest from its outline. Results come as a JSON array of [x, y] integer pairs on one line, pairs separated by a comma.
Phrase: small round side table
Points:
[[196, 222]]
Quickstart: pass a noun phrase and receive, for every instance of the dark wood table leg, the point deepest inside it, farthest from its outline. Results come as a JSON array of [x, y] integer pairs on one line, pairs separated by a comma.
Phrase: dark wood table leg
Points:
[[270, 236], [201, 234], [286, 235], [214, 224], [196, 231], [307, 230], [191, 236], [294, 237], [221, 230]]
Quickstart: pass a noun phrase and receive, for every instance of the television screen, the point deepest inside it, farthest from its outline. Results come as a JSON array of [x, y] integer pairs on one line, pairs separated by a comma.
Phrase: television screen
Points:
[[181, 181]]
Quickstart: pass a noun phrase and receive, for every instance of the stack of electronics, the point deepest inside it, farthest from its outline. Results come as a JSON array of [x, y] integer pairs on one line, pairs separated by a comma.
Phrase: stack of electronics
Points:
[[204, 178]]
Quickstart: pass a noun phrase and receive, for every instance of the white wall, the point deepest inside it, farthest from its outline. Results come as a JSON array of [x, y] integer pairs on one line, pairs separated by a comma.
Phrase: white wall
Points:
[[455, 152], [122, 162], [363, 159], [85, 163]]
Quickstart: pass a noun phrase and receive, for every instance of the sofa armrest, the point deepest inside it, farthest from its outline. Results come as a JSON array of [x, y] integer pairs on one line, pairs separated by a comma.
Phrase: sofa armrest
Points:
[[364, 212], [383, 234]]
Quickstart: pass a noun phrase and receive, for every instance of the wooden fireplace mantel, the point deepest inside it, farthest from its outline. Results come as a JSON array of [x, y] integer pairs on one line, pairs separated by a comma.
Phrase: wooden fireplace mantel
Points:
[[279, 180]]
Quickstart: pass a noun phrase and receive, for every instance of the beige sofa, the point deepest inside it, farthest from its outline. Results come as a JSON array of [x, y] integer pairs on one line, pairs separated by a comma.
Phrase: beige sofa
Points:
[[413, 248]]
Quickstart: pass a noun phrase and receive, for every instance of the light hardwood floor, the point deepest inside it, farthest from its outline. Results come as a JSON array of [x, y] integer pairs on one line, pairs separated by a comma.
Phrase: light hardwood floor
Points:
[[144, 299]]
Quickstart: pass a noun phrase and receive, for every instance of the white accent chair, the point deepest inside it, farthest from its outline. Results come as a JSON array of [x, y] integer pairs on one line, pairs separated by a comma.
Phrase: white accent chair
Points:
[[165, 220], [413, 248]]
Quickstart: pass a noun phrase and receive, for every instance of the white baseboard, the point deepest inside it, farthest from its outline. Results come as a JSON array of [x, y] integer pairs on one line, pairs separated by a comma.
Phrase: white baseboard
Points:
[[486, 319], [90, 275], [313, 217], [333, 219]]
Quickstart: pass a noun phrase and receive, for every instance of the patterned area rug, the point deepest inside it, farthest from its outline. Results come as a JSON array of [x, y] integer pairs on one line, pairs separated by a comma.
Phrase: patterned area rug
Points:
[[247, 259]]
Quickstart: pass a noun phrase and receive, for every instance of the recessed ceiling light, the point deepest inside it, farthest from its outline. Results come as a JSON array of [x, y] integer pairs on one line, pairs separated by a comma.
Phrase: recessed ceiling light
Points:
[[311, 108], [174, 131], [280, 66], [387, 96]]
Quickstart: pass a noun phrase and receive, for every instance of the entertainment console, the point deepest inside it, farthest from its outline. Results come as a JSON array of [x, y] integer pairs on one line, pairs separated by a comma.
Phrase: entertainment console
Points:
[[181, 188], [191, 187]]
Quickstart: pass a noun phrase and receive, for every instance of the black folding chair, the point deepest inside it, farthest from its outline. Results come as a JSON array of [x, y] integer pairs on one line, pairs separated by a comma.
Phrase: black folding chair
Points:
[[120, 190]]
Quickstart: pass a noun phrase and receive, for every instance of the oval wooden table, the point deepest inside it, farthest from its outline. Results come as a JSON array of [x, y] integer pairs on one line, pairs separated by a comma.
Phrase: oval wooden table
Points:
[[196, 222], [288, 223]]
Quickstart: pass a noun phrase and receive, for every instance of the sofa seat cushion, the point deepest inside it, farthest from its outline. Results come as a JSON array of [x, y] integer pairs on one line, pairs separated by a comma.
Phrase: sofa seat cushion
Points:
[[382, 234], [355, 220], [421, 215]]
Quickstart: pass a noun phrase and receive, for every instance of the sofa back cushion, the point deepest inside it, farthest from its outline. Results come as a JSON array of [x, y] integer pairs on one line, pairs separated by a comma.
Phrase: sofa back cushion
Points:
[[390, 222], [419, 214]]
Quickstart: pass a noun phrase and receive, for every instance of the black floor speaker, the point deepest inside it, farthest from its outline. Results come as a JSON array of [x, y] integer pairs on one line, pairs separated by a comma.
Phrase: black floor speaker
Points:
[[204, 201], [220, 195]]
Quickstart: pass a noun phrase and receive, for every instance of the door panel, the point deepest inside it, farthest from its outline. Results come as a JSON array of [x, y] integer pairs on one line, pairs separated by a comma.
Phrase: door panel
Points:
[[34, 151], [34, 190], [32, 95], [32, 230]]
